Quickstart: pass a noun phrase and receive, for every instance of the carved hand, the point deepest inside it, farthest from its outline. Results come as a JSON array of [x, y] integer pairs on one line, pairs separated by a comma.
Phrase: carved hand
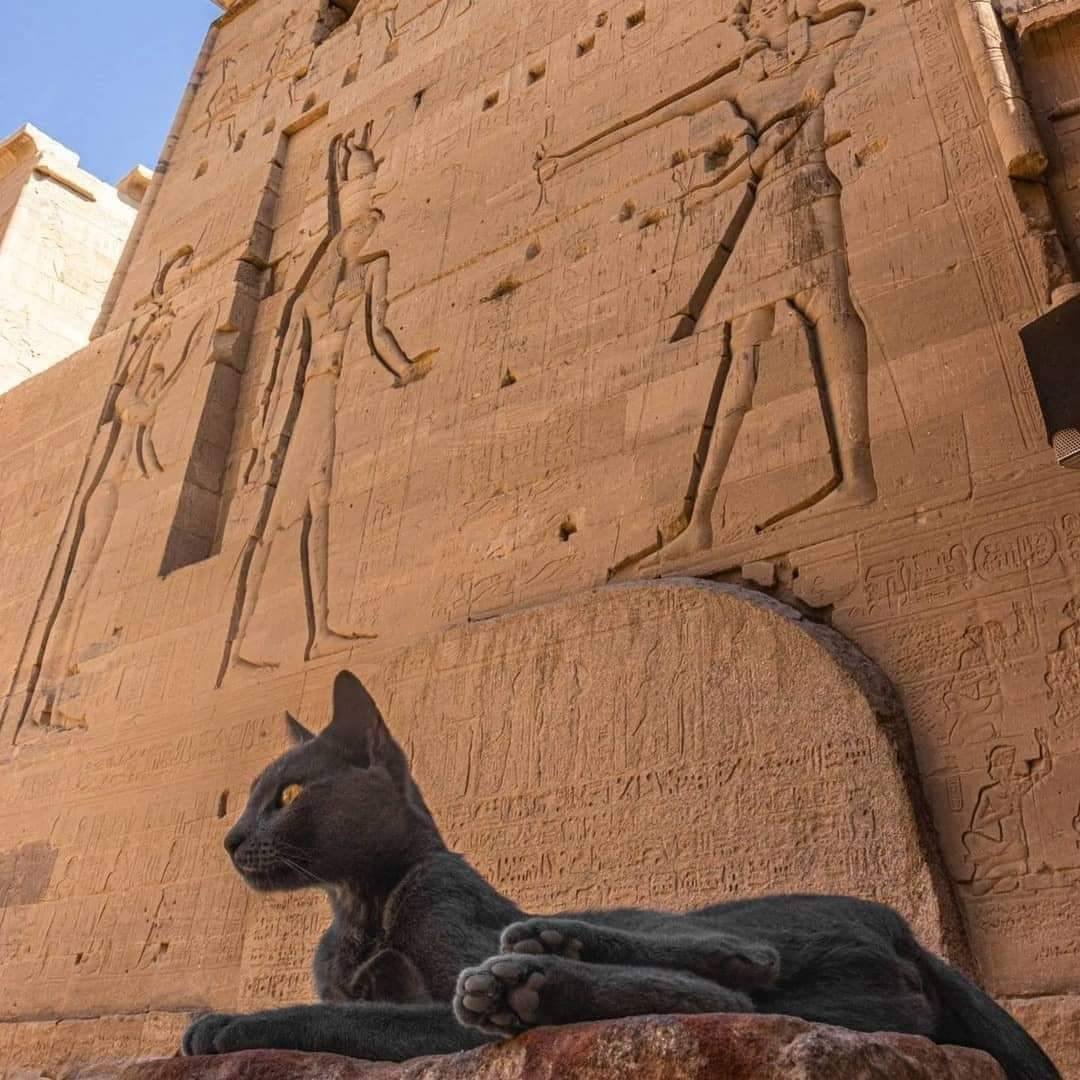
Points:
[[546, 168]]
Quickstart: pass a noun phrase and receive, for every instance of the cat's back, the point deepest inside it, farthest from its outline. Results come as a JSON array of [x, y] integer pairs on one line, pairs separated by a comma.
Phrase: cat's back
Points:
[[777, 918], [809, 910]]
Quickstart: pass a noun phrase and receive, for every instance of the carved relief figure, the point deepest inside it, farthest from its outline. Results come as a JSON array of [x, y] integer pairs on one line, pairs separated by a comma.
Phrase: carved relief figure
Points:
[[1063, 670], [123, 444], [973, 696], [290, 58], [1070, 527], [336, 316], [1069, 638], [224, 102], [784, 248], [996, 842], [795, 195]]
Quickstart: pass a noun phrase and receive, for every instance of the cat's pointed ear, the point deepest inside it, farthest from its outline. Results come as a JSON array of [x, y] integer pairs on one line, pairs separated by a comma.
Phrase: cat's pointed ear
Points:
[[357, 725], [297, 732]]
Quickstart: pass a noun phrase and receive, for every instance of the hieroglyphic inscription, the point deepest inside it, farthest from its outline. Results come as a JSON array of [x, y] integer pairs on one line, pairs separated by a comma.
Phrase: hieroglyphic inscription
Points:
[[527, 739], [1013, 551], [681, 802]]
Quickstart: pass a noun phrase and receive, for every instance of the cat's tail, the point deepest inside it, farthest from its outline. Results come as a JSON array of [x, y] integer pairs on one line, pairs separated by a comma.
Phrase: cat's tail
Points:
[[971, 1018]]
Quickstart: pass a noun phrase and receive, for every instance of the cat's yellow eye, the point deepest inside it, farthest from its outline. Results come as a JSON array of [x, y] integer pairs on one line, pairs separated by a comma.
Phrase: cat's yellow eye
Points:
[[289, 794]]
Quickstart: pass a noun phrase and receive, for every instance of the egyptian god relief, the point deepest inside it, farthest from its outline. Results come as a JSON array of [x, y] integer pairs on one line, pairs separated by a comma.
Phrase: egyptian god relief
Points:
[[336, 316], [154, 357]]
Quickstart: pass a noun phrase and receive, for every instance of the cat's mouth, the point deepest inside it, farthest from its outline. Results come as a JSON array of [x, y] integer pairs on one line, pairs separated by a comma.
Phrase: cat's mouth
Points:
[[258, 867], [265, 870], [261, 880]]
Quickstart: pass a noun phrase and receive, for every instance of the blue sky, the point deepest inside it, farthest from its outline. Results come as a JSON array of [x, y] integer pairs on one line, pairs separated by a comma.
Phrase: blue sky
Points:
[[101, 76]]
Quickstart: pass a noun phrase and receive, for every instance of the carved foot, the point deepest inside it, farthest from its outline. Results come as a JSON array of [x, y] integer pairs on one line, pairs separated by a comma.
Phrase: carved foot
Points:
[[502, 995], [850, 495], [543, 937], [254, 663], [694, 539], [330, 642]]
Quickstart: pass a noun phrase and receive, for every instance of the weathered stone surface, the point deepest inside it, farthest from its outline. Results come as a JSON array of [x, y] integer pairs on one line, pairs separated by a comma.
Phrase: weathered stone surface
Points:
[[61, 234], [647, 1048], [1053, 1021], [443, 310], [534, 737]]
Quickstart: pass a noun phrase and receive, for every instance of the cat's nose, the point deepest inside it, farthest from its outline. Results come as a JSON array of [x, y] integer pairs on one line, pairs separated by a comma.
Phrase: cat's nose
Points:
[[233, 839]]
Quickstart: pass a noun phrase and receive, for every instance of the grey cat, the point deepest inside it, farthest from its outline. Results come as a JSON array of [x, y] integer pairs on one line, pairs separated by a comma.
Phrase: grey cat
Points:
[[423, 956]]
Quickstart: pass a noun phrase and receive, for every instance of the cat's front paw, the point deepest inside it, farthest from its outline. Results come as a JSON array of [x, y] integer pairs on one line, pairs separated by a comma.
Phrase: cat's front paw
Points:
[[225, 1033], [502, 995], [202, 1033], [542, 937]]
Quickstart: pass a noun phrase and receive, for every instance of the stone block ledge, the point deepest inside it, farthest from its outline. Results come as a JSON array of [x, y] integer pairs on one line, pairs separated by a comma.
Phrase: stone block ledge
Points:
[[719, 1047]]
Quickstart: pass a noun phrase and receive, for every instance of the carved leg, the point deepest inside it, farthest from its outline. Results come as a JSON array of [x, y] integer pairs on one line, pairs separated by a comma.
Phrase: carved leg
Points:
[[510, 993], [326, 640], [748, 332], [713, 954], [98, 514], [260, 557], [840, 339]]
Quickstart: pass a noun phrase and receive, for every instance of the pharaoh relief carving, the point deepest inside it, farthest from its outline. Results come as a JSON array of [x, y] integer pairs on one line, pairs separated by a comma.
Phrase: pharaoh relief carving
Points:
[[123, 453], [335, 317], [781, 255]]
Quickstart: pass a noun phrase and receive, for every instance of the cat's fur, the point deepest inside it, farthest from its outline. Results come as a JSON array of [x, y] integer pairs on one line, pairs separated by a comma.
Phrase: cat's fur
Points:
[[419, 938]]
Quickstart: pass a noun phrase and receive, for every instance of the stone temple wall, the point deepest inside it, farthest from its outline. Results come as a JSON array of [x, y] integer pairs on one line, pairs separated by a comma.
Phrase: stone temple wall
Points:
[[441, 315], [62, 232]]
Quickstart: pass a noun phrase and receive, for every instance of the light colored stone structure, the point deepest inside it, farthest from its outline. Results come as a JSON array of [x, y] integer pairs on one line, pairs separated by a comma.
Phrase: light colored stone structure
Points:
[[441, 311], [62, 231]]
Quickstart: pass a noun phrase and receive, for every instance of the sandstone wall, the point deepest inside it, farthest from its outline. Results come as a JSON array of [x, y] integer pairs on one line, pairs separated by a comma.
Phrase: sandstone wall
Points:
[[61, 235], [445, 310]]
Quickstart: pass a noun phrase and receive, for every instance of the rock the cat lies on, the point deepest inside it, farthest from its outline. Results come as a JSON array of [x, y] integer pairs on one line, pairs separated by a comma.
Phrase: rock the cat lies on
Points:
[[424, 956]]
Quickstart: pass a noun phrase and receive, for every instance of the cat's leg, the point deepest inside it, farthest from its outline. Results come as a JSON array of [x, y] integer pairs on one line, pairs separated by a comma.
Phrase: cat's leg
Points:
[[729, 959], [374, 1030], [855, 983], [510, 993]]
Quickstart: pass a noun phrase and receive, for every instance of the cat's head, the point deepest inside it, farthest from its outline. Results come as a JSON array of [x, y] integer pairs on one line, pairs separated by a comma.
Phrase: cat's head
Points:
[[338, 808]]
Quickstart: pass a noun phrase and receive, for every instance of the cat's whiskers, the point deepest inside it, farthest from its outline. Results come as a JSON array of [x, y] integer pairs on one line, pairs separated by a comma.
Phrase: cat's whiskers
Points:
[[302, 869]]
